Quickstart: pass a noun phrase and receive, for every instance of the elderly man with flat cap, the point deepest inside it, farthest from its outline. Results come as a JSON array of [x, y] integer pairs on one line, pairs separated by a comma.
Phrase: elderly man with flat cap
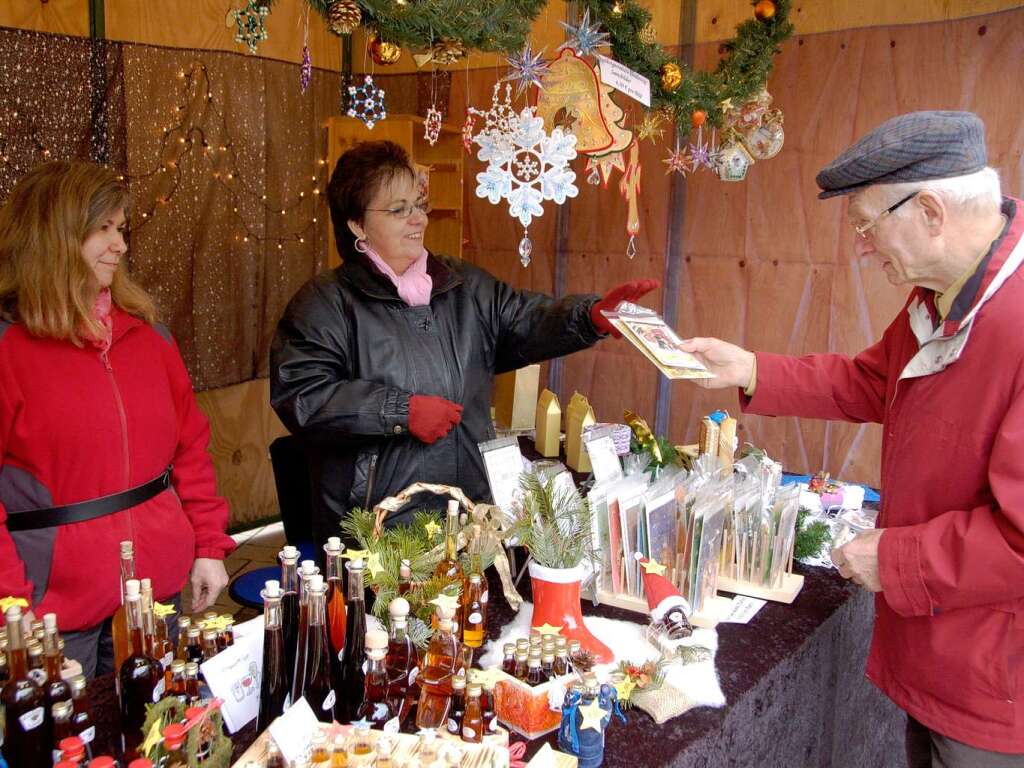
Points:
[[946, 381]]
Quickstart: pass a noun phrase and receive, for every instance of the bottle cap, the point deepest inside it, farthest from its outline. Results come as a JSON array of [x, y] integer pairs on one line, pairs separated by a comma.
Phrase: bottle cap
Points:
[[78, 684], [534, 661], [178, 667], [72, 746], [574, 646], [473, 689], [126, 548], [102, 762], [290, 553], [561, 642], [356, 564], [272, 588], [184, 622], [61, 709], [399, 607], [192, 668], [446, 624], [50, 621], [316, 582], [308, 567], [535, 652], [194, 631], [376, 639], [523, 643], [146, 584], [474, 578], [141, 762], [458, 682], [334, 545], [131, 588], [174, 735], [521, 655], [453, 507], [508, 648]]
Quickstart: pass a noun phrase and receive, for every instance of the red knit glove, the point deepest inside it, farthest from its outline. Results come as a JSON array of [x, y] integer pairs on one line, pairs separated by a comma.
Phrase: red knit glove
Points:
[[625, 292], [431, 418]]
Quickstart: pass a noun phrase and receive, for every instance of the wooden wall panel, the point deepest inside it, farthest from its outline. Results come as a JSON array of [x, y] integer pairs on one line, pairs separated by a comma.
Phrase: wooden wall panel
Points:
[[242, 427], [62, 17]]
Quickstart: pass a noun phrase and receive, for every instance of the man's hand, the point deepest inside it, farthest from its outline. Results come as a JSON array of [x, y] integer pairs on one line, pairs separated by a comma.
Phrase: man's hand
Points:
[[208, 579], [731, 365], [858, 560]]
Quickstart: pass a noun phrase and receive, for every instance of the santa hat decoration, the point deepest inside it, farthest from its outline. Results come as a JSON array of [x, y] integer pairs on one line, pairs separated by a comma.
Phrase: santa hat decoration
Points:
[[662, 596]]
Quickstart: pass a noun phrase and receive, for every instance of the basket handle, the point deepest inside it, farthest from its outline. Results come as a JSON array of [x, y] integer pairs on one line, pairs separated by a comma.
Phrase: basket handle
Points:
[[394, 503]]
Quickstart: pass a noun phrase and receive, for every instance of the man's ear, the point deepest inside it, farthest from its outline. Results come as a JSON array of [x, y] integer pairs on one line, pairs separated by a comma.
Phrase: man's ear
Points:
[[934, 210]]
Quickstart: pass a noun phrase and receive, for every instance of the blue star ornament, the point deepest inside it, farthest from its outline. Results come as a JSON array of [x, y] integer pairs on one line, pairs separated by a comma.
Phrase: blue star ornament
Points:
[[586, 38], [528, 68]]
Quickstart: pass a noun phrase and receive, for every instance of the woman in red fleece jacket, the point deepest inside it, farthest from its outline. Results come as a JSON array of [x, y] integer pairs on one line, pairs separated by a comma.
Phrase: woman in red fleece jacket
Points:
[[101, 439]]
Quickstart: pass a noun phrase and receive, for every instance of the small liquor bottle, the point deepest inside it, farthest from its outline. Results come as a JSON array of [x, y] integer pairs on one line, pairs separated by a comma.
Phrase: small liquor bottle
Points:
[[534, 674], [336, 619], [574, 649], [61, 728], [184, 624], [192, 682], [522, 666], [209, 644], [193, 645], [675, 624], [375, 708], [56, 688], [561, 665], [443, 658], [274, 757], [401, 662], [36, 664], [351, 682], [508, 663], [178, 688], [320, 752], [404, 577], [24, 703], [385, 746], [139, 677], [473, 719], [449, 568], [457, 707], [362, 743], [226, 636], [487, 705], [289, 557], [82, 724], [547, 663], [274, 682], [119, 624], [473, 609], [339, 753]]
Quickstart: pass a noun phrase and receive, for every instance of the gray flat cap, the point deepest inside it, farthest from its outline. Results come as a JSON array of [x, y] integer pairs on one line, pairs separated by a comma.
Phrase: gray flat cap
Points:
[[918, 146]]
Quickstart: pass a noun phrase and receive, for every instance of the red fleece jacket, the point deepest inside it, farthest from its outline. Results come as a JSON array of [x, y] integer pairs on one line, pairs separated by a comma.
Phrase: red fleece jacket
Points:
[[77, 424]]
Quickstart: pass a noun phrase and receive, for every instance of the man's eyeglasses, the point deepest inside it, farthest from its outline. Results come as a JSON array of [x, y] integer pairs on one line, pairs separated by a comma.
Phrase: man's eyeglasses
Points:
[[404, 211], [864, 229]]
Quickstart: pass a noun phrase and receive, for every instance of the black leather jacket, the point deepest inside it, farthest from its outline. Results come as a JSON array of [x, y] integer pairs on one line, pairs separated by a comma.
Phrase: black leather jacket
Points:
[[348, 353]]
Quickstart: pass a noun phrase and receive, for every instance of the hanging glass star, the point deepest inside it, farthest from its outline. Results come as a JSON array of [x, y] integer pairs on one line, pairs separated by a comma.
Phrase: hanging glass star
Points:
[[367, 102], [528, 68], [677, 162], [650, 128], [586, 38], [251, 23], [700, 156]]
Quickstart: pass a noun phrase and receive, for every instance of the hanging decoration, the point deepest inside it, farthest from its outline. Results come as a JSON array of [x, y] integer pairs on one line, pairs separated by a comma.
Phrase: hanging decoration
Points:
[[629, 187], [306, 70], [250, 23], [366, 102], [467, 132], [525, 166], [677, 162], [571, 100], [650, 128], [585, 38], [432, 125], [343, 17], [528, 69], [442, 53], [382, 51]]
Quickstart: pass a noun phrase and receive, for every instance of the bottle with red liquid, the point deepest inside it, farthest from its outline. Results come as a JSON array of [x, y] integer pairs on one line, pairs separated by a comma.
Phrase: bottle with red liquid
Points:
[[24, 703], [139, 677], [336, 619], [351, 684], [274, 682], [375, 708], [289, 557], [443, 659], [508, 662], [402, 662], [306, 572], [316, 680], [82, 724]]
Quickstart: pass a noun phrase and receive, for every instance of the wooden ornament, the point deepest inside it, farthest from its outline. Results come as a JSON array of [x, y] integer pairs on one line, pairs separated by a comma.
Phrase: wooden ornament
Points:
[[515, 398], [548, 425]]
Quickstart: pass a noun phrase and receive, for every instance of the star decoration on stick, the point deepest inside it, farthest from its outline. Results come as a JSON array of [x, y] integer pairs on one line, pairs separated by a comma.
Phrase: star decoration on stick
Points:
[[528, 68], [650, 128], [677, 162], [448, 604], [623, 688], [432, 529], [356, 554], [592, 716], [374, 567], [586, 38]]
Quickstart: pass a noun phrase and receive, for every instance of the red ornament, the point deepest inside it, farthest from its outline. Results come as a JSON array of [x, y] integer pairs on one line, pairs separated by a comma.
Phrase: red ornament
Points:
[[698, 118], [764, 10], [556, 602]]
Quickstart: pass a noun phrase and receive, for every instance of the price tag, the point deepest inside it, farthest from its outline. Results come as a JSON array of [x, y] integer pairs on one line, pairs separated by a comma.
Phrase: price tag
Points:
[[624, 79], [293, 731]]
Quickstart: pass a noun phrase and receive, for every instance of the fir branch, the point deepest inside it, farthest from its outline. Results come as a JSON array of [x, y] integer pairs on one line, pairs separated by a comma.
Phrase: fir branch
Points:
[[554, 523], [810, 540]]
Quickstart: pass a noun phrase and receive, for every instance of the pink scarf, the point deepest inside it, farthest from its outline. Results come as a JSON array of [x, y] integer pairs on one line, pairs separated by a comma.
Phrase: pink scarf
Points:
[[101, 311], [413, 285]]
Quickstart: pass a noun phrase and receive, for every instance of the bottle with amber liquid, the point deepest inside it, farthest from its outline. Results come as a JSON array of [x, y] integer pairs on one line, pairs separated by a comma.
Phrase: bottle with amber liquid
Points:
[[178, 688], [24, 704], [184, 625], [274, 681], [119, 624], [306, 572], [534, 674], [274, 757], [226, 635], [193, 645], [474, 610], [487, 705], [522, 657], [320, 752], [402, 663], [375, 708], [561, 663], [457, 707], [61, 727], [336, 619], [192, 682], [289, 557], [449, 568], [209, 644], [443, 659], [140, 676], [351, 682], [82, 724], [316, 682], [56, 688], [473, 719]]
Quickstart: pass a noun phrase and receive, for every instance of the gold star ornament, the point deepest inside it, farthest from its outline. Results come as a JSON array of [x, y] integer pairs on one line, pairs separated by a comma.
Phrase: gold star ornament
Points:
[[448, 604], [624, 687], [373, 564], [432, 529], [653, 566], [650, 128], [592, 716], [547, 629]]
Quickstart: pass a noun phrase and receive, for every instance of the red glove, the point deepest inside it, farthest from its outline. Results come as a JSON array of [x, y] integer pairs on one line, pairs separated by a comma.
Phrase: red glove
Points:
[[431, 418], [625, 292]]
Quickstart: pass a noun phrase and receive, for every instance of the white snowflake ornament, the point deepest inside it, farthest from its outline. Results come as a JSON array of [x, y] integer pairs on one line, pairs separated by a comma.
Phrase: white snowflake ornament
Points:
[[367, 102], [526, 166], [432, 125]]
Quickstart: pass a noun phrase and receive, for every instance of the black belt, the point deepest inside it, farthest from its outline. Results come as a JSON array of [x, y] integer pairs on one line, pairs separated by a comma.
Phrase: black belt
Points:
[[87, 510]]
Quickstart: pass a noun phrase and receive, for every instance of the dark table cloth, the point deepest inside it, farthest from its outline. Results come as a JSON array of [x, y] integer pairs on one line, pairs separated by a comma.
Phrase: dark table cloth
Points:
[[793, 680]]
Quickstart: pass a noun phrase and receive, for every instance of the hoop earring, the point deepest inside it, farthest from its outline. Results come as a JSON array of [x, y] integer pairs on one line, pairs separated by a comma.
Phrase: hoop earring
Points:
[[361, 245]]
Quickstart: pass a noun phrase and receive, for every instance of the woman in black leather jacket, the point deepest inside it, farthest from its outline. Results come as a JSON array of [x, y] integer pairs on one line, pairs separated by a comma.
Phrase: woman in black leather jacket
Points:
[[385, 365]]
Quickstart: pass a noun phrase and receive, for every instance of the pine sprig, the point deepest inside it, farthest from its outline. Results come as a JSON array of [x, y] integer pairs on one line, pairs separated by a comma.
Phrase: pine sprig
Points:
[[810, 540], [554, 523]]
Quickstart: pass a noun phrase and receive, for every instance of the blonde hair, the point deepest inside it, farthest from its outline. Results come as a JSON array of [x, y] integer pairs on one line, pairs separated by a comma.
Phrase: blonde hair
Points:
[[45, 282]]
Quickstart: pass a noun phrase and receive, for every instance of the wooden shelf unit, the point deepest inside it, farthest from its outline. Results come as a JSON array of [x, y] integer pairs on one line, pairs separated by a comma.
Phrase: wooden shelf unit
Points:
[[444, 161]]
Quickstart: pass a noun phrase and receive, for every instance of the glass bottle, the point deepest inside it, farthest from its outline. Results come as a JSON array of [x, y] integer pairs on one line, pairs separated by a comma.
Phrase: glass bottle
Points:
[[289, 557], [193, 646], [61, 727], [119, 624], [443, 658], [184, 625], [404, 577], [192, 682], [375, 709], [339, 752], [320, 753], [534, 673], [457, 707], [574, 648], [333, 551], [306, 572], [362, 744], [139, 677], [148, 620], [82, 724], [351, 680], [426, 749], [385, 746], [508, 663], [521, 664], [226, 636], [316, 676], [178, 687], [402, 663], [56, 688], [474, 628], [24, 703], [547, 663], [164, 644], [473, 720], [36, 664], [274, 682], [487, 705], [561, 664], [449, 568], [209, 644], [274, 757]]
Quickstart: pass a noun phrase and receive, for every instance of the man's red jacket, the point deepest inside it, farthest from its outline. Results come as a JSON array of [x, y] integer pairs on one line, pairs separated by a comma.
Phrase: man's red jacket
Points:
[[76, 425], [948, 642]]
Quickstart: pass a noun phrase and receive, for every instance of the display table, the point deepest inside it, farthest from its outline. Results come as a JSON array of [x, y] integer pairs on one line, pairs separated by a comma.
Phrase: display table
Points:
[[793, 679]]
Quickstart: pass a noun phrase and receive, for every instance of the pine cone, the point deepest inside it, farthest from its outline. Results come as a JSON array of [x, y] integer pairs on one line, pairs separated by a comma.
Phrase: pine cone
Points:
[[447, 51], [343, 16]]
